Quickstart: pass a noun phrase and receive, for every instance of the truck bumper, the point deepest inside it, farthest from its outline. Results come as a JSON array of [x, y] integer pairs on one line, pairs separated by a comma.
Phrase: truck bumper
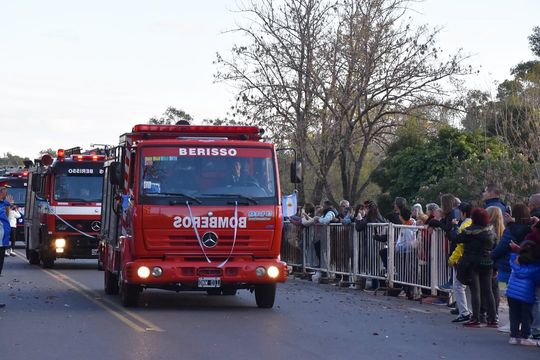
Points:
[[233, 273]]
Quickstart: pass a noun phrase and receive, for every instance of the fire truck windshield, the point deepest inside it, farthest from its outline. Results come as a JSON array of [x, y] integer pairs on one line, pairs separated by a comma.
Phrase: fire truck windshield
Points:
[[77, 188], [19, 194], [207, 175]]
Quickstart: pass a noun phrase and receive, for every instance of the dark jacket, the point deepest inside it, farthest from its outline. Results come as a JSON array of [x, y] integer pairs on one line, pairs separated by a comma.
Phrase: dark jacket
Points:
[[523, 280], [501, 254], [393, 217], [448, 227], [361, 225], [495, 202], [477, 244]]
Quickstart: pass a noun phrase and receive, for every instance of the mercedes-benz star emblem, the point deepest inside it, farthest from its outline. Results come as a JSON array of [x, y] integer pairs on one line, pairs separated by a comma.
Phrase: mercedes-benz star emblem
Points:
[[96, 226], [209, 239]]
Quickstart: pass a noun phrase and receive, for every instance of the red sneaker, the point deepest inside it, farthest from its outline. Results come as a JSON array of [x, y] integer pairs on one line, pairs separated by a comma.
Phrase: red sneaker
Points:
[[492, 324], [472, 324]]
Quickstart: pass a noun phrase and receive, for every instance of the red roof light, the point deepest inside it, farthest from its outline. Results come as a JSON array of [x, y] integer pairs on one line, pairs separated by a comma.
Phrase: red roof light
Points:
[[88, 157], [170, 131], [60, 153]]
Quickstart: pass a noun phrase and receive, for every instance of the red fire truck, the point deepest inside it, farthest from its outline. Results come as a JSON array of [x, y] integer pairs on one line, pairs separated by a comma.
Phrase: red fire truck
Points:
[[63, 207], [18, 180], [192, 208]]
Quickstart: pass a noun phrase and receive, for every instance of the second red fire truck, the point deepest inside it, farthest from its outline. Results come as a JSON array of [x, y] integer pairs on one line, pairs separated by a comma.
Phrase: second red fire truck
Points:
[[63, 207], [192, 208]]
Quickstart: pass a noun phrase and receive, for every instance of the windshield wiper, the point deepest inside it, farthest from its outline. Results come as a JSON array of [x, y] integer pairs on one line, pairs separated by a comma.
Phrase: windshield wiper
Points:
[[75, 200], [249, 198], [175, 194]]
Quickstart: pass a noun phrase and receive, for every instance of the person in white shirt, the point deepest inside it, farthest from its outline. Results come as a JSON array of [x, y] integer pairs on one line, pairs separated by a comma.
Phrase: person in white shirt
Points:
[[13, 216]]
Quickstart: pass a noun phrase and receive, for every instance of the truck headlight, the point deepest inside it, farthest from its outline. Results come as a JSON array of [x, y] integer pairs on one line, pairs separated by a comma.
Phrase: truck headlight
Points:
[[60, 243], [143, 272], [273, 272]]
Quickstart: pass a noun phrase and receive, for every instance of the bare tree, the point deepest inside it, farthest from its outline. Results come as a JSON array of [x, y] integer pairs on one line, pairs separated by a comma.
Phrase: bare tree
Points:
[[334, 79], [170, 116], [273, 72]]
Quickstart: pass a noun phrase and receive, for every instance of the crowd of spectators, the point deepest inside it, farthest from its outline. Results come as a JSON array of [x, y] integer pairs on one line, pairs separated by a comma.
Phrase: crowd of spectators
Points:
[[485, 245]]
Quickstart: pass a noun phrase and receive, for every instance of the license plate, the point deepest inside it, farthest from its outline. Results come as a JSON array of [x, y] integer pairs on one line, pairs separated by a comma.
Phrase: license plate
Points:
[[209, 282], [94, 252]]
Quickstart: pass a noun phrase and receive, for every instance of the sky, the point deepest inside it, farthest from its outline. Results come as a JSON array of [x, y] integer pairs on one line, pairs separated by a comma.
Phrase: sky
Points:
[[76, 73]]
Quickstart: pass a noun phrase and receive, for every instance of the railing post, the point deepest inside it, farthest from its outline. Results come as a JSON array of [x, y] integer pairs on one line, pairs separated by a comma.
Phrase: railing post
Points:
[[391, 247], [305, 231], [355, 252], [328, 250], [434, 274]]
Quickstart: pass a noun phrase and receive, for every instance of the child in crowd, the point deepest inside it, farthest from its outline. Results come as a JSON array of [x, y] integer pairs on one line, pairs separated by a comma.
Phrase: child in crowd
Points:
[[520, 292]]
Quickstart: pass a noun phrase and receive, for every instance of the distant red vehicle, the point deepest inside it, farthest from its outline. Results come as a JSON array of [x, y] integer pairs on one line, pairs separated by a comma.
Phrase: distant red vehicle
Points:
[[63, 207], [18, 180], [175, 217]]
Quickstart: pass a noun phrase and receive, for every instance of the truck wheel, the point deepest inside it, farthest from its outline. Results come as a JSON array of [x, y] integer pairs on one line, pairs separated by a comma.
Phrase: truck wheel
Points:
[[129, 294], [265, 295], [32, 256], [111, 283]]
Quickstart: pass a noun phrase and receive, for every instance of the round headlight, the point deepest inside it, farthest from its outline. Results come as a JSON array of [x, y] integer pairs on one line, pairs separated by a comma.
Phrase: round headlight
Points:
[[143, 272], [260, 271], [273, 272], [157, 271]]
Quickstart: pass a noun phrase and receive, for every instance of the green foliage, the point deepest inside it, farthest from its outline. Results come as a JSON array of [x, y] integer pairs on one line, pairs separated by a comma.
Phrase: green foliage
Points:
[[423, 171], [11, 160], [534, 41]]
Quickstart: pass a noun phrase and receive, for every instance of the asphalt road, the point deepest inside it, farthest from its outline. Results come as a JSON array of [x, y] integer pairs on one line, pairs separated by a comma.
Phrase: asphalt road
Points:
[[63, 313]]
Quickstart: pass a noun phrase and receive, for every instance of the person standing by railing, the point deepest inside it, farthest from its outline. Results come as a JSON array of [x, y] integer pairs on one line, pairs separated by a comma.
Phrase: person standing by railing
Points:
[[517, 228], [407, 259], [449, 204], [497, 221], [458, 289], [373, 216], [475, 267]]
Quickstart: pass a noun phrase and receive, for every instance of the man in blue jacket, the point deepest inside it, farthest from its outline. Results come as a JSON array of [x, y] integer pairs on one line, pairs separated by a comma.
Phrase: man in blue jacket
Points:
[[5, 228], [492, 197]]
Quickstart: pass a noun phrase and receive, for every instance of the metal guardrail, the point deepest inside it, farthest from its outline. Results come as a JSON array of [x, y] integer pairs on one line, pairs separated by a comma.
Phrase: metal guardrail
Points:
[[340, 249]]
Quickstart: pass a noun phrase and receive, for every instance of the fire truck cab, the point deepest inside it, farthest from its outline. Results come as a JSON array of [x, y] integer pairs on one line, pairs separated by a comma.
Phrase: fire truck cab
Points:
[[63, 207], [18, 180], [192, 208]]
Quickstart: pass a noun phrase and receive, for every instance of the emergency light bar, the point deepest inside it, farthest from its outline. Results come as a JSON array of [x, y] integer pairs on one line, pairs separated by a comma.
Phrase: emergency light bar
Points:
[[253, 132], [88, 157]]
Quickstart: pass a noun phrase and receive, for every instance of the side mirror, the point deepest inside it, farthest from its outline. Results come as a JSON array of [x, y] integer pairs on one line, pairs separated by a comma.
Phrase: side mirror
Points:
[[35, 182], [297, 172], [115, 173]]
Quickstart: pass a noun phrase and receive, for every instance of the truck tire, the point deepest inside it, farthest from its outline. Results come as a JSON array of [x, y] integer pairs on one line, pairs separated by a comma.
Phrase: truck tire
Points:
[[265, 295], [110, 283], [32, 256], [129, 294]]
